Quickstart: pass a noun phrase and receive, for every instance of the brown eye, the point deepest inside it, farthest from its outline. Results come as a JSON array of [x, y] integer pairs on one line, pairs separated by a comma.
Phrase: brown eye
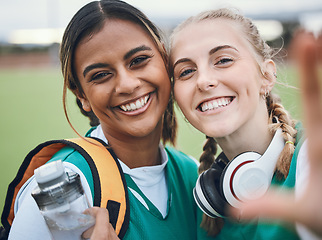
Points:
[[139, 60], [100, 75]]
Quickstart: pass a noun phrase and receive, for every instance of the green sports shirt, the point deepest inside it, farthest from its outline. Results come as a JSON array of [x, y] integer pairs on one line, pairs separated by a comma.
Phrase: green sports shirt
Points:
[[183, 217]]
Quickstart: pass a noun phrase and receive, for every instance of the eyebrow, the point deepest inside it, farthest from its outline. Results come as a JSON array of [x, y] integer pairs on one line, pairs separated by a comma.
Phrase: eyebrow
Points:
[[126, 56], [135, 50], [216, 49], [93, 66], [181, 60], [212, 51]]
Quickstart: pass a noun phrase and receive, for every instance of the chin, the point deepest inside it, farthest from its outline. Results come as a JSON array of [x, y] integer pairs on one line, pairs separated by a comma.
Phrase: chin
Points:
[[215, 132], [143, 130]]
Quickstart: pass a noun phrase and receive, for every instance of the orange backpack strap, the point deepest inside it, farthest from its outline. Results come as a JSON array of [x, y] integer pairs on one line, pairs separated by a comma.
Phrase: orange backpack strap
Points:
[[110, 189]]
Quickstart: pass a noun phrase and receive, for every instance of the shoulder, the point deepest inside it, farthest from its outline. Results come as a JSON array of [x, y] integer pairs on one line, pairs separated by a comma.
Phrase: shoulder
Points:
[[92, 131], [181, 157], [182, 162], [302, 175], [73, 161], [302, 165], [300, 151], [299, 159], [28, 220], [300, 136], [73, 157]]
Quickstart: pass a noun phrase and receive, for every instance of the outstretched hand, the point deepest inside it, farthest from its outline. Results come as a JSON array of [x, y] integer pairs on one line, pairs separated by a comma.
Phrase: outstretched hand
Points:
[[305, 209], [102, 230]]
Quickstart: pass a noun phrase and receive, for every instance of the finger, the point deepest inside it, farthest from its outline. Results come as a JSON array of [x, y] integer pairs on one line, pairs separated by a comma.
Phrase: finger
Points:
[[309, 54], [319, 43], [274, 205], [88, 233], [101, 221], [98, 213], [104, 233], [309, 80], [296, 43]]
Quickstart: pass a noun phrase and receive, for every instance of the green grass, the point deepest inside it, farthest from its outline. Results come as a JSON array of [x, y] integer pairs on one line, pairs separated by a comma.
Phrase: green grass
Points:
[[31, 110]]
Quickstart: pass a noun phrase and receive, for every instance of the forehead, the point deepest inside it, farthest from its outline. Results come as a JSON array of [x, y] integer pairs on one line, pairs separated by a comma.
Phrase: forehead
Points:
[[116, 34], [208, 33]]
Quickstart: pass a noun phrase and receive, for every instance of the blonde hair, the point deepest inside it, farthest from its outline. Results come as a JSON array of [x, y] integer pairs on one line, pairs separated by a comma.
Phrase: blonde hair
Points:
[[278, 116]]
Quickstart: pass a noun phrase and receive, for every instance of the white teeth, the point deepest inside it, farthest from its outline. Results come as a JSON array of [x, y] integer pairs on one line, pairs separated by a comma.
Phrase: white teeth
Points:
[[217, 103], [205, 107], [135, 105]]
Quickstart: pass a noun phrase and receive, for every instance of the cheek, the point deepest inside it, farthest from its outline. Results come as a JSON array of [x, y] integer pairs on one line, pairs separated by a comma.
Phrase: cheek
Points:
[[245, 83], [182, 94], [99, 96], [164, 88], [177, 93]]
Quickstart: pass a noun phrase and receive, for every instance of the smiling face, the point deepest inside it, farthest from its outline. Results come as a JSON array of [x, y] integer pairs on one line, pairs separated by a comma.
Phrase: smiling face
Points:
[[218, 82], [124, 79]]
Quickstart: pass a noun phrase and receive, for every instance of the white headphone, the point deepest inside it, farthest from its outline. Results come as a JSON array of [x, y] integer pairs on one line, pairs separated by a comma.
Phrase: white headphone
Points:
[[246, 177]]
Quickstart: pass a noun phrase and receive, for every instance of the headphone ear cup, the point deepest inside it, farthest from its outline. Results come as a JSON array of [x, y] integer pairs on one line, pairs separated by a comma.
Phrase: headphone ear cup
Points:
[[207, 193], [229, 187]]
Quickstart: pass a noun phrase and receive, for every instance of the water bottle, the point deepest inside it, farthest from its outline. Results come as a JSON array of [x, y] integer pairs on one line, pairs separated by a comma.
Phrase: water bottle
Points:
[[62, 201]]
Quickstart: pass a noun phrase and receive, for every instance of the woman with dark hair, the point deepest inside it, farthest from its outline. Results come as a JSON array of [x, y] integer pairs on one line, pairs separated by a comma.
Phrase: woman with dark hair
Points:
[[114, 61]]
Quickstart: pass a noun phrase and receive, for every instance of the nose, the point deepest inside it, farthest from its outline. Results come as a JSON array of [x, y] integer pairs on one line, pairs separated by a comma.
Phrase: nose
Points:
[[127, 82], [206, 80]]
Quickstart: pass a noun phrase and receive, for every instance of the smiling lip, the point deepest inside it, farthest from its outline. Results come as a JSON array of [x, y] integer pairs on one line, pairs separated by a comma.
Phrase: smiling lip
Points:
[[215, 104], [137, 106]]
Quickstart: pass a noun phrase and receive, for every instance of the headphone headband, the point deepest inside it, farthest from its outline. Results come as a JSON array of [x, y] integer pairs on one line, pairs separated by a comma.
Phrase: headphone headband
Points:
[[246, 177], [249, 175]]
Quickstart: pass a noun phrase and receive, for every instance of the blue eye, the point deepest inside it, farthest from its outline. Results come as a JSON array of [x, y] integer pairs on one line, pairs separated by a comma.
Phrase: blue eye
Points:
[[224, 61], [186, 72]]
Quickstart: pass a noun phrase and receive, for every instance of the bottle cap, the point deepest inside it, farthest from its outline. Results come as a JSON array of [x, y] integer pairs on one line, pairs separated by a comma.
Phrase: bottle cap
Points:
[[56, 187], [50, 174]]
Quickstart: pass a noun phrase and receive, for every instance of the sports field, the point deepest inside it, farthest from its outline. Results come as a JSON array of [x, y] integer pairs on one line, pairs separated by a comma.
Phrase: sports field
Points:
[[31, 112]]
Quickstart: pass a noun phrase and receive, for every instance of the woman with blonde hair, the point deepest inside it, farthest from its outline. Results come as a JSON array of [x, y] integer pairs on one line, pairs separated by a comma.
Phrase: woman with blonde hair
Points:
[[223, 80]]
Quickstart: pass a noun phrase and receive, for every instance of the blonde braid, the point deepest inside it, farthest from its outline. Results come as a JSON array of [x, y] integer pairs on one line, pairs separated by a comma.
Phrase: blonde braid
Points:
[[213, 226], [207, 158], [280, 118]]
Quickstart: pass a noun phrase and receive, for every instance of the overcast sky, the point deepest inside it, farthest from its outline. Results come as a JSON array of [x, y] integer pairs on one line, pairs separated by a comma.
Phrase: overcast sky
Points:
[[33, 14]]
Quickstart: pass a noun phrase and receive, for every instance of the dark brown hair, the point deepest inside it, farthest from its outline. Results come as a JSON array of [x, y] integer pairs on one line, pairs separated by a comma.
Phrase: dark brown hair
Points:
[[89, 20]]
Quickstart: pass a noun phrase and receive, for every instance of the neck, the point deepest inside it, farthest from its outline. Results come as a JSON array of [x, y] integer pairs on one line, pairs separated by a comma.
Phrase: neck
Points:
[[136, 151], [251, 138]]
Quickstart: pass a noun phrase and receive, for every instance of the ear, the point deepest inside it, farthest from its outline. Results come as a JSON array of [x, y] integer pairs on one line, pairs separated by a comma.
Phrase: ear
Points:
[[269, 76], [85, 103]]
